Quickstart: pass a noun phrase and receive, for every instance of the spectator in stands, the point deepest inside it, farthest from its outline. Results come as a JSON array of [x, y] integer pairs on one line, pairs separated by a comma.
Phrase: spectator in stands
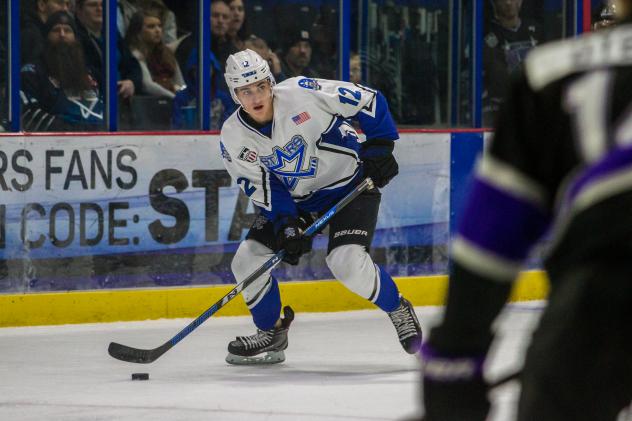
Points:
[[185, 104], [161, 73], [237, 32], [34, 16], [355, 68], [260, 46], [187, 16], [186, 101], [221, 46], [297, 54], [508, 38], [419, 99], [325, 44], [58, 91], [606, 16], [221, 17], [89, 14], [168, 19], [125, 9]]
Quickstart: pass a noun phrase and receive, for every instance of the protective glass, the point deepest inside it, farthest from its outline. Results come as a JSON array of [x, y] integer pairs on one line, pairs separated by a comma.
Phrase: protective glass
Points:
[[403, 49], [511, 29]]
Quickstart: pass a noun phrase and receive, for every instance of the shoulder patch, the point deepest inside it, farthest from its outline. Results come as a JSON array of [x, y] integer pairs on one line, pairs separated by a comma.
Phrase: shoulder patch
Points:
[[309, 84], [248, 155], [225, 153]]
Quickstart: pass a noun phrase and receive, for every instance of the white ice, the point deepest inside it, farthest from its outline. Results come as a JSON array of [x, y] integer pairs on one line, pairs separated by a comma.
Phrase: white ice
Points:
[[340, 366]]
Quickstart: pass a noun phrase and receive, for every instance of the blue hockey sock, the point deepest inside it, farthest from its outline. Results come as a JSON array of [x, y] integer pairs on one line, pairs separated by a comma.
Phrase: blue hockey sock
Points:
[[267, 311], [388, 296]]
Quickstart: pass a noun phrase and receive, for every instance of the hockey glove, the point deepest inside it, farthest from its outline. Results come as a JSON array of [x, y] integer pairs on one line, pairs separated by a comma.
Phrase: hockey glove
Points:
[[378, 161], [290, 237], [453, 387]]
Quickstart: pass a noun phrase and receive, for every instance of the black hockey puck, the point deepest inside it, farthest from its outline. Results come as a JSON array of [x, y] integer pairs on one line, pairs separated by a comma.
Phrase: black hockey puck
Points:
[[140, 376]]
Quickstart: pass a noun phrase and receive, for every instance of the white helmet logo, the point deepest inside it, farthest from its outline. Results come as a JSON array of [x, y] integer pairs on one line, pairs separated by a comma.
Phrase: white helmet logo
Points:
[[245, 63]]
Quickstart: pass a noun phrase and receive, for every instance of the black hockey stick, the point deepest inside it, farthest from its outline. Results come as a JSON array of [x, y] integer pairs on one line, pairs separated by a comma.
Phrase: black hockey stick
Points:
[[145, 356]]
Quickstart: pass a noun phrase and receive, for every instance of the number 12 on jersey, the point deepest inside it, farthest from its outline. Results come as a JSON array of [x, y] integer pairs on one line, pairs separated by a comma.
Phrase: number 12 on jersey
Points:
[[347, 96]]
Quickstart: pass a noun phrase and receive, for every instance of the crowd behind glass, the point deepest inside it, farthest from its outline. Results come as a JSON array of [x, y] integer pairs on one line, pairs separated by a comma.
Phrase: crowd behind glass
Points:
[[400, 47]]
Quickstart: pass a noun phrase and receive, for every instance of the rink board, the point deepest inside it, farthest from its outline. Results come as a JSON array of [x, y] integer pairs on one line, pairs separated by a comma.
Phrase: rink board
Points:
[[102, 212], [102, 228], [149, 304]]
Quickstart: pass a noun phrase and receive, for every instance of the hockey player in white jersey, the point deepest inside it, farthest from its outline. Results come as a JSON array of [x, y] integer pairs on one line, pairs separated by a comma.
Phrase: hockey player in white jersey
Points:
[[291, 149]]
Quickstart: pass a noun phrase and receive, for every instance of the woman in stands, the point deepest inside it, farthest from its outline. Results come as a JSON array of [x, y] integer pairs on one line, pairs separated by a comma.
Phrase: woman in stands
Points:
[[161, 73], [237, 29], [167, 18]]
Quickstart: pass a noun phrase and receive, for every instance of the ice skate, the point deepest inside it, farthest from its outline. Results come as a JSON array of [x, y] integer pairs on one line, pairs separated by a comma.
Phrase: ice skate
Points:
[[407, 325], [264, 347]]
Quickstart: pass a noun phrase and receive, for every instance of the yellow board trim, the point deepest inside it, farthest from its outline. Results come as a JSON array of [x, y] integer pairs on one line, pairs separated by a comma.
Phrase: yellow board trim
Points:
[[145, 304]]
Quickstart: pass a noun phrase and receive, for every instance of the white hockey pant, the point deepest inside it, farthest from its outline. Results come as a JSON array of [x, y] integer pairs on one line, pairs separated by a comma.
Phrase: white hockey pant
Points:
[[352, 265], [249, 257]]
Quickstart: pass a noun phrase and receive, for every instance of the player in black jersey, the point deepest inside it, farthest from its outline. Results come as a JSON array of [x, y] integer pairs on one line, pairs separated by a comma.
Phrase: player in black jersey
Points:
[[560, 162]]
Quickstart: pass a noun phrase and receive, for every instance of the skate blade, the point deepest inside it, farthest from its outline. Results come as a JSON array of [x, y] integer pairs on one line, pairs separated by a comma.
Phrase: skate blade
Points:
[[272, 357]]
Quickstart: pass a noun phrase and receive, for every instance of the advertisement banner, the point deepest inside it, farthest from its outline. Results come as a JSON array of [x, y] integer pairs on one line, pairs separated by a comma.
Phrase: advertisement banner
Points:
[[116, 211]]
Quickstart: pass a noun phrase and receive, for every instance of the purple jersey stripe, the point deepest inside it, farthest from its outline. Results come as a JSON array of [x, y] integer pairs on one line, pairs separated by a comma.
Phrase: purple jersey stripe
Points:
[[501, 223], [616, 160]]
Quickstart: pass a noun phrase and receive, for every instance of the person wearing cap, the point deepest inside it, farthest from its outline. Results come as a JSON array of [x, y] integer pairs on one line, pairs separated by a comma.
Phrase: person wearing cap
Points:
[[297, 54], [34, 16], [507, 40], [58, 91]]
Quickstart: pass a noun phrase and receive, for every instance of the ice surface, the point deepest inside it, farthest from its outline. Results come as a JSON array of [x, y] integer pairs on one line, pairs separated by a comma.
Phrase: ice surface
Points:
[[340, 366]]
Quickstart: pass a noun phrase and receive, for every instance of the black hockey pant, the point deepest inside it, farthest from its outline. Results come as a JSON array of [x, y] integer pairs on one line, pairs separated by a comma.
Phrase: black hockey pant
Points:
[[579, 364]]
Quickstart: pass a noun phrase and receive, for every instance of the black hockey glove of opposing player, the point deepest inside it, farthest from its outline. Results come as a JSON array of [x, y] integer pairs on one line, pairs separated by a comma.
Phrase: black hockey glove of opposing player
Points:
[[378, 161], [290, 237], [453, 387]]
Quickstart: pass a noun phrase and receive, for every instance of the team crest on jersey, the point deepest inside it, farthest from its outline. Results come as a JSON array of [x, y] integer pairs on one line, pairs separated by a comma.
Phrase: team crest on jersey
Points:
[[309, 84], [290, 163], [248, 155]]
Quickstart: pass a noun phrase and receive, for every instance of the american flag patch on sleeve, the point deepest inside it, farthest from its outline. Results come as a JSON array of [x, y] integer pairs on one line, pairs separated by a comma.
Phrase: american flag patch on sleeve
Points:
[[301, 118]]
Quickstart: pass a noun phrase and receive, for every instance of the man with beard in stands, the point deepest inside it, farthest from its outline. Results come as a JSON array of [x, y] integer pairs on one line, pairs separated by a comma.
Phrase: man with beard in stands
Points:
[[58, 91]]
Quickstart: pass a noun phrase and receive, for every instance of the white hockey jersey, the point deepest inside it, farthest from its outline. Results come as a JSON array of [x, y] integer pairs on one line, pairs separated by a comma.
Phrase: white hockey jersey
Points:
[[309, 155]]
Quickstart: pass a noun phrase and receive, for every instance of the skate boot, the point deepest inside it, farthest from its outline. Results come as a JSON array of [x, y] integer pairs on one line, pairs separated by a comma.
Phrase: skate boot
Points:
[[245, 350], [408, 329]]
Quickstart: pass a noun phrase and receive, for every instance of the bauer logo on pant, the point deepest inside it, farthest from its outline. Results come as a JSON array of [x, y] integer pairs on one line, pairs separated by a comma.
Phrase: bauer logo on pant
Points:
[[350, 232]]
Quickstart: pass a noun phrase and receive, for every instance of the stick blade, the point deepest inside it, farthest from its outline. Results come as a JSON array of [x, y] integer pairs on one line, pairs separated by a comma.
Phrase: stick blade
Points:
[[136, 355]]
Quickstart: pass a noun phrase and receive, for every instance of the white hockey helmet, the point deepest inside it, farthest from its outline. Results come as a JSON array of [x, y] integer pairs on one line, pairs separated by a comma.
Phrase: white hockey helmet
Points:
[[244, 68]]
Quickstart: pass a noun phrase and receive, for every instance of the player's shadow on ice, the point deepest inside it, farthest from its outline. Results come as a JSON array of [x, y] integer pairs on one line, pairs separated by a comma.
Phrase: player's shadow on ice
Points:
[[341, 374]]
